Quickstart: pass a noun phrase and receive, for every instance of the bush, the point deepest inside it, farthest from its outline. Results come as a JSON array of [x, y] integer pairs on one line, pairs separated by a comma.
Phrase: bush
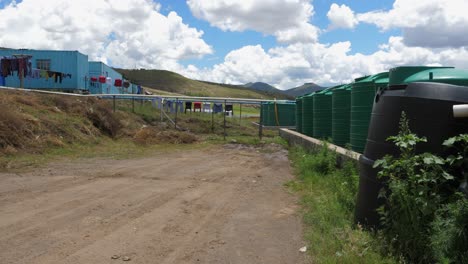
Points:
[[419, 202], [14, 130], [104, 119], [449, 238], [322, 162]]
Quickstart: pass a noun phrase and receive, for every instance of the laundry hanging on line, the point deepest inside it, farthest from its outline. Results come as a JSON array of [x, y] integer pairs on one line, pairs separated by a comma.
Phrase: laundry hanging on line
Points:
[[9, 65]]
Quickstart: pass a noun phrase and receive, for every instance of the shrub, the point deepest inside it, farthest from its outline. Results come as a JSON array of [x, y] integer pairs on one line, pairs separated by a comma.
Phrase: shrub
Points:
[[14, 130], [104, 119], [449, 238], [419, 195]]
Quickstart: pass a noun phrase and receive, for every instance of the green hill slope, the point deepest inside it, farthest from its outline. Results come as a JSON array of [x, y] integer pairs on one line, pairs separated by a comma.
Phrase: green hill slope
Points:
[[176, 83]]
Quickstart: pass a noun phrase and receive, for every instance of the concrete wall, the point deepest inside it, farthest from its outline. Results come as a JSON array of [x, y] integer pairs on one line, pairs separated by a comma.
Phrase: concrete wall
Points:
[[312, 144]]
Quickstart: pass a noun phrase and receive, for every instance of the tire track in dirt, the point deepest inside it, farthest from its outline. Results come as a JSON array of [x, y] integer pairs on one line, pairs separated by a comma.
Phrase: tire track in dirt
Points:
[[217, 205]]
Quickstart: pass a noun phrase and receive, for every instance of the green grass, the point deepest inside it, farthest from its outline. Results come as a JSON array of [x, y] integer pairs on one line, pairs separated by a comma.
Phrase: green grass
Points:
[[101, 148], [328, 200]]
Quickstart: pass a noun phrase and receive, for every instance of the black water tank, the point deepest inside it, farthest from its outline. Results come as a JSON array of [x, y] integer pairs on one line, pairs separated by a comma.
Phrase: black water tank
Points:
[[428, 106]]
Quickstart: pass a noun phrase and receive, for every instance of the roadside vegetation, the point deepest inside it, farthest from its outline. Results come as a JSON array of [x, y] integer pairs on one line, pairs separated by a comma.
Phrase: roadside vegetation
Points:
[[424, 218], [328, 199]]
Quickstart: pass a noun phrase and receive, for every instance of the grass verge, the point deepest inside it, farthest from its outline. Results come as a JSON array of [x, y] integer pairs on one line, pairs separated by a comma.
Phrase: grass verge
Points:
[[328, 199]]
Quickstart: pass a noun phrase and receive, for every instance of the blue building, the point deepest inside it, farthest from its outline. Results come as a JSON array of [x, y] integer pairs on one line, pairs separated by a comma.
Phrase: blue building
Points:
[[114, 81], [59, 70], [66, 71]]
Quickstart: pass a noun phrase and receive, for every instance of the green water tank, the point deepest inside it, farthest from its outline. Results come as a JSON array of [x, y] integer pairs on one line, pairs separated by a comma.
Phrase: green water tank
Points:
[[262, 113], [286, 114], [308, 114], [363, 91], [267, 114], [299, 114], [398, 75], [341, 115], [323, 114], [440, 75]]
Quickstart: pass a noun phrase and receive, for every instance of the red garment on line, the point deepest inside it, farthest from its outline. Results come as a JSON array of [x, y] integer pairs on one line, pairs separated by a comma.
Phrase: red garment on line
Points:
[[118, 83], [102, 79], [94, 79]]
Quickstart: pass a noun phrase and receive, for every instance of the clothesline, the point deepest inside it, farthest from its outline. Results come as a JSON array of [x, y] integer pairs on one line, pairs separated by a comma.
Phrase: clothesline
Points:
[[9, 65]]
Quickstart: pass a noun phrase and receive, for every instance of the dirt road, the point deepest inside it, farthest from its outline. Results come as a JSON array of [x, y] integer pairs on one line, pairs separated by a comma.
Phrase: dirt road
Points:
[[224, 204]]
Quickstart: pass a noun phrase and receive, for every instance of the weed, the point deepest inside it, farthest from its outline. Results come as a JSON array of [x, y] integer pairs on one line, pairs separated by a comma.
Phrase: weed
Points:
[[421, 200], [328, 199]]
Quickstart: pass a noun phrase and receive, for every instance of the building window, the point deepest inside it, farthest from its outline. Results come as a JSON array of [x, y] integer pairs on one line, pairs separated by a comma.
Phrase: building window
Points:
[[43, 65]]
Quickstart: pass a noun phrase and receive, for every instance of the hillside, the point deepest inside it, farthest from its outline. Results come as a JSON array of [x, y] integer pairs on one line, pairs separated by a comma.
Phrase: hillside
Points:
[[176, 83], [306, 88], [261, 86], [271, 93]]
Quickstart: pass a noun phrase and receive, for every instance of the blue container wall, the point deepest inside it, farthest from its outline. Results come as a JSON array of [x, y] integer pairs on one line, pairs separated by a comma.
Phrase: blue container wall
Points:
[[83, 71], [96, 69], [68, 62]]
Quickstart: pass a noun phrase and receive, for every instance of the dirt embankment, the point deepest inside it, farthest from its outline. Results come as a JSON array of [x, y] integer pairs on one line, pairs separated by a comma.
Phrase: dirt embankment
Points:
[[223, 204], [32, 123]]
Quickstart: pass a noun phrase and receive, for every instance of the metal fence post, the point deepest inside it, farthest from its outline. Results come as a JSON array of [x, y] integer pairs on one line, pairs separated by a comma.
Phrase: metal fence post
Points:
[[176, 107], [260, 123], [225, 119]]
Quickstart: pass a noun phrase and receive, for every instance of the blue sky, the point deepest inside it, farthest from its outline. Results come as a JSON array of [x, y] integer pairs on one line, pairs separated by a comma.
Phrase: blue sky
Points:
[[283, 42], [365, 38]]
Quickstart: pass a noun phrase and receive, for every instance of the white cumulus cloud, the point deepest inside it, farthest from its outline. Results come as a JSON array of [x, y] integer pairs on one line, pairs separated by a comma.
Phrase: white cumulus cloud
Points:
[[287, 20], [127, 33], [428, 23], [341, 16], [292, 65]]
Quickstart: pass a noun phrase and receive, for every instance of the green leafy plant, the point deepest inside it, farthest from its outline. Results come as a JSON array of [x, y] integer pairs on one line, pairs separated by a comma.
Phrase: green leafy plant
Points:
[[417, 185], [449, 238]]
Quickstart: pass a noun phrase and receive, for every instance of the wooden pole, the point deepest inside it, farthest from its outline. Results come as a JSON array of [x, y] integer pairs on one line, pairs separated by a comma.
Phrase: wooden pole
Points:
[[240, 114]]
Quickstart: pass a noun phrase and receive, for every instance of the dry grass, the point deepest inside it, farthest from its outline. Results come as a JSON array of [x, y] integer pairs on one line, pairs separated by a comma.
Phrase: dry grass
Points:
[[31, 122], [153, 135]]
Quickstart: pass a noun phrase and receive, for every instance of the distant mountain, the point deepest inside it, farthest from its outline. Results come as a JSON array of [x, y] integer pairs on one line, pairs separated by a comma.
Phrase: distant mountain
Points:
[[268, 89], [306, 88], [261, 86]]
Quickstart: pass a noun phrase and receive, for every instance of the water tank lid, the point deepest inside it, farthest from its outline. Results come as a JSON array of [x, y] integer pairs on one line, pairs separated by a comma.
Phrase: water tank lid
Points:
[[343, 87], [372, 78], [448, 75], [398, 75]]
